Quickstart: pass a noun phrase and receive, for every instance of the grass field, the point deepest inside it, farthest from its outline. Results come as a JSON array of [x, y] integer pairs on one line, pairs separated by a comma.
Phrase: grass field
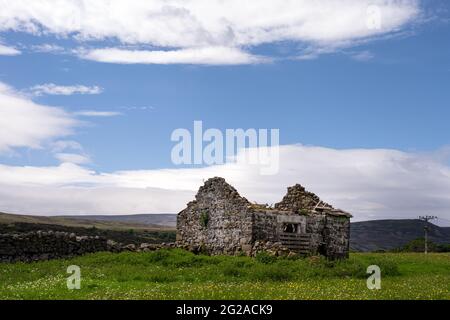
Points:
[[178, 274]]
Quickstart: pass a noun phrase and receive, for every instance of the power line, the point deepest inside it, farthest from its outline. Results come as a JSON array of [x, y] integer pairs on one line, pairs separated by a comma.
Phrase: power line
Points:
[[426, 228]]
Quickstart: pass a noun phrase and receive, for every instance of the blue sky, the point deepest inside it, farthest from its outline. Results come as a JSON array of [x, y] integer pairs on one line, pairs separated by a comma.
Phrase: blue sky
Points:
[[397, 99], [386, 90]]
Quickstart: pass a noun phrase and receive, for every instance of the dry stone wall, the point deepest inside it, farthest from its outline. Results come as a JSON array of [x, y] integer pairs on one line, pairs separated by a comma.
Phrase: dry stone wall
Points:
[[34, 246], [46, 245]]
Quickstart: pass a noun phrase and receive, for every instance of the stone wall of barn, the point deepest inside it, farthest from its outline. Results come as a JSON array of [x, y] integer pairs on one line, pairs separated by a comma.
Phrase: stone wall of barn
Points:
[[265, 226], [328, 234], [218, 221], [315, 227], [337, 237]]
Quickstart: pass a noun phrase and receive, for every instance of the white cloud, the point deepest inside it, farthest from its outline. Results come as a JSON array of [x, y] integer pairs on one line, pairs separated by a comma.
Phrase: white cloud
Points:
[[79, 200], [191, 24], [371, 184], [362, 56], [93, 113], [202, 56], [72, 158], [66, 174], [24, 123], [63, 145], [143, 108], [48, 48], [53, 89], [8, 51]]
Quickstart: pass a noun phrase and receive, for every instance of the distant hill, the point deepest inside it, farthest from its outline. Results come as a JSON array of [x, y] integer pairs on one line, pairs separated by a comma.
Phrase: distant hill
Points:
[[100, 222], [165, 219], [123, 232], [389, 234]]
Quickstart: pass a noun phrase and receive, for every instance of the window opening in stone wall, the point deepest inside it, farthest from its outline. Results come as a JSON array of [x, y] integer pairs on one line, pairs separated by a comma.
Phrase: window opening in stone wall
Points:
[[290, 228]]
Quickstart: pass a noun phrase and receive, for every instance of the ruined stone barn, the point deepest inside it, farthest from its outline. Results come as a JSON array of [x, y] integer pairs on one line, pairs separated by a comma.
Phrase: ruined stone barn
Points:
[[220, 221]]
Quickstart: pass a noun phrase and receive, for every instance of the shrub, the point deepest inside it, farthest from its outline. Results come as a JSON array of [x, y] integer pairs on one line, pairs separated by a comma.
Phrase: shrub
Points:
[[265, 258], [204, 219], [231, 271], [418, 245], [348, 268], [387, 265], [303, 212], [159, 256]]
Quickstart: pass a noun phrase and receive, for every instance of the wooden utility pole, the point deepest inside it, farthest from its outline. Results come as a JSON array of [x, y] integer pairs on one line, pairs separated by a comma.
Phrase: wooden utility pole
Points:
[[426, 219]]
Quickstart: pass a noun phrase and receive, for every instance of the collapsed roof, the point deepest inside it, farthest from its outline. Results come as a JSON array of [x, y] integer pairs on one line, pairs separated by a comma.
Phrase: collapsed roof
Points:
[[297, 200]]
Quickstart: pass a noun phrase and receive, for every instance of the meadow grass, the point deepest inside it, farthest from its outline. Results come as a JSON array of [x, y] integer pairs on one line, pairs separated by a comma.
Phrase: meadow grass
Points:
[[177, 274]]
